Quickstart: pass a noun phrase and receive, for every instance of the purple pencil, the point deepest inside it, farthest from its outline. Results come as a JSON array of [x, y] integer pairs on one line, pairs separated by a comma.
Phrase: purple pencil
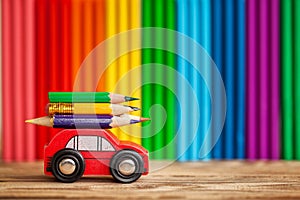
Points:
[[264, 79], [251, 70], [274, 129]]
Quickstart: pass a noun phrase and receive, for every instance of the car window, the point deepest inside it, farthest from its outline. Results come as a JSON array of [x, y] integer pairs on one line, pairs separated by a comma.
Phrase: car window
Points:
[[71, 143], [106, 146], [87, 143]]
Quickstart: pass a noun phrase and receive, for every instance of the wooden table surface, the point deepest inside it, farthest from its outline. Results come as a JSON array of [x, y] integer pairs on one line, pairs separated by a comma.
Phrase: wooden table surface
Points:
[[199, 180]]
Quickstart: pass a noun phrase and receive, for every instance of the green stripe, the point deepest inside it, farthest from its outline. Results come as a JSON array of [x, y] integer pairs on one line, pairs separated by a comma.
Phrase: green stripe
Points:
[[170, 100], [69, 97], [286, 79], [159, 56], [147, 57], [296, 73]]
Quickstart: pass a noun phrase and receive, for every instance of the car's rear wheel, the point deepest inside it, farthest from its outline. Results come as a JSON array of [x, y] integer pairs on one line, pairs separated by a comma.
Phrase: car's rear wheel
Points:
[[67, 165], [126, 166]]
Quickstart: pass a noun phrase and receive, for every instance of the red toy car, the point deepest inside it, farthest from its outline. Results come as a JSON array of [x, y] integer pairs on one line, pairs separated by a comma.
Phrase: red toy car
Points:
[[73, 153]]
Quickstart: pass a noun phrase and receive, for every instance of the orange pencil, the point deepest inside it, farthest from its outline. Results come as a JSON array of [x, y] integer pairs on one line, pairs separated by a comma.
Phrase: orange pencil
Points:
[[99, 36]]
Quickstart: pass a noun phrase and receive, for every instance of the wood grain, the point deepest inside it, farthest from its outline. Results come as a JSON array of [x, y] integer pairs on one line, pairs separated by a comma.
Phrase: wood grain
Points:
[[199, 180]]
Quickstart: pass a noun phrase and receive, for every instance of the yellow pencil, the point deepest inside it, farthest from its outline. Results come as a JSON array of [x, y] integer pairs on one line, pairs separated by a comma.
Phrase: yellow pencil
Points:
[[111, 30], [135, 61], [123, 61], [88, 108]]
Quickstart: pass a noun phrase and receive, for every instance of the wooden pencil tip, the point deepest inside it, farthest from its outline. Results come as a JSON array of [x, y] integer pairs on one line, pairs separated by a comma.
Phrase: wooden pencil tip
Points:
[[144, 119]]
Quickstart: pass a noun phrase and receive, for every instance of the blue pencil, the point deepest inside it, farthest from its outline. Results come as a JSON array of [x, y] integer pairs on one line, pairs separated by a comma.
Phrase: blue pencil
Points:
[[240, 116], [229, 79], [205, 107], [217, 54], [182, 68]]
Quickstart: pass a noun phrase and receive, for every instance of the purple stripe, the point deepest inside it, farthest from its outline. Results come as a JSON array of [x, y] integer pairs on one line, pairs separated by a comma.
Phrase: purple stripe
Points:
[[251, 80], [275, 151], [264, 79]]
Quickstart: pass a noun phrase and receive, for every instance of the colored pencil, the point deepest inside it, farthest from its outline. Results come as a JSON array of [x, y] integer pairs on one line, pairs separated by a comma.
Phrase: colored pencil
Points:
[[18, 78], [286, 79], [123, 60], [169, 101], [88, 108], [54, 52], [88, 97], [147, 88], [159, 58], [7, 87], [241, 80], [88, 45], [205, 41], [252, 82], [218, 25], [112, 48], [65, 26], [76, 44], [263, 78], [296, 25], [99, 36], [182, 68], [42, 76], [86, 121], [135, 61], [30, 81]]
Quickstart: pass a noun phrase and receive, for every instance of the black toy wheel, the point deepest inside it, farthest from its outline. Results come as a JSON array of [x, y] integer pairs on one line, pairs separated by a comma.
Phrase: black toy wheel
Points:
[[126, 166], [67, 165]]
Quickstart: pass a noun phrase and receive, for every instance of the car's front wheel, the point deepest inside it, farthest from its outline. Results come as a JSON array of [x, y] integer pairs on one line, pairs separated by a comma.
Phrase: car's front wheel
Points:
[[67, 165], [126, 166]]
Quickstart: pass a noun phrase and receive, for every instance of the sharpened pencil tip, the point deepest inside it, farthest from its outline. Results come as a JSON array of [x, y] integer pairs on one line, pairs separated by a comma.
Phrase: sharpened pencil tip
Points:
[[130, 98], [134, 108], [144, 119], [28, 121]]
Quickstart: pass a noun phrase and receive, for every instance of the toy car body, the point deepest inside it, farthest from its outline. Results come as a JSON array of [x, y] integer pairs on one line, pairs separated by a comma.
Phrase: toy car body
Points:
[[76, 152]]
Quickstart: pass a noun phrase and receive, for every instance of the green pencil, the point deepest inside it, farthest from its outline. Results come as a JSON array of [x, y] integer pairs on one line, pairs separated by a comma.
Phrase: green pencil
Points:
[[87, 97], [286, 79], [159, 56], [296, 73], [169, 102], [147, 58]]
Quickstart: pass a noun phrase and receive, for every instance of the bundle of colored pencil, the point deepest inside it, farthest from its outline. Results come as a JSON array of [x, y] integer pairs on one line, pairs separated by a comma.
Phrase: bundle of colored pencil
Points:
[[87, 110]]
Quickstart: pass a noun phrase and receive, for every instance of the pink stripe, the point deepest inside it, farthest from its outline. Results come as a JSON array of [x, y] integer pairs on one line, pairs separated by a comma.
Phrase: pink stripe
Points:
[[264, 79], [30, 87], [251, 70], [7, 89], [18, 80], [275, 135]]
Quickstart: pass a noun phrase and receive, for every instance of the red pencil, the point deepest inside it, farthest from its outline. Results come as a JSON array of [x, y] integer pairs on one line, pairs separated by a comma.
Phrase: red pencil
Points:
[[65, 27], [42, 78], [30, 81], [55, 67], [18, 80], [7, 112]]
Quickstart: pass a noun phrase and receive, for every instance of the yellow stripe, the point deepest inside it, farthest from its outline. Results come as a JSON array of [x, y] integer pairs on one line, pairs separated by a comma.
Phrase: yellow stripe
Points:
[[111, 30], [123, 61], [135, 61]]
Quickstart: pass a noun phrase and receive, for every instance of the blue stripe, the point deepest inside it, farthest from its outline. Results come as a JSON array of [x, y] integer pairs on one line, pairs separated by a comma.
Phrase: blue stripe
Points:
[[182, 68], [240, 127], [217, 52], [229, 79]]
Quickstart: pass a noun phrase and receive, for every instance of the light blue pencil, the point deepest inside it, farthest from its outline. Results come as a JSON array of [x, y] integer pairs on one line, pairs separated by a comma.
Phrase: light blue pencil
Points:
[[205, 107], [182, 68]]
